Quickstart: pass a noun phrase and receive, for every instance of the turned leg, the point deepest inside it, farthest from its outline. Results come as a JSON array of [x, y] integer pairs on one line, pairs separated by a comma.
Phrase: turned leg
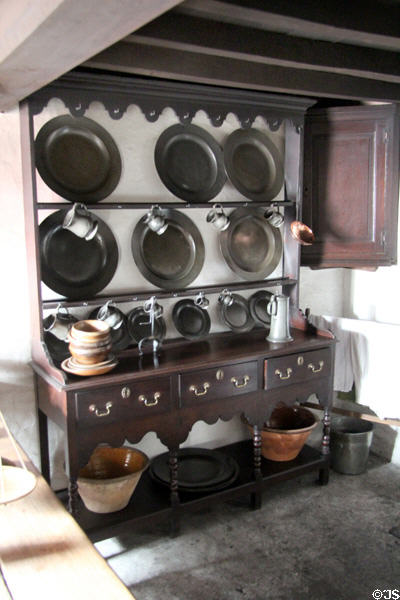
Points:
[[44, 445], [174, 496], [256, 497], [73, 496], [326, 422]]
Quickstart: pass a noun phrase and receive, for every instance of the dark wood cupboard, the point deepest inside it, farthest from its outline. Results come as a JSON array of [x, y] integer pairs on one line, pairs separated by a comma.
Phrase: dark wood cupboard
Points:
[[351, 186], [224, 375]]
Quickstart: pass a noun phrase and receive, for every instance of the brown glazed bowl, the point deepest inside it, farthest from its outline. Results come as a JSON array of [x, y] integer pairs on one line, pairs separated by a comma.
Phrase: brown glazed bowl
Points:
[[108, 481], [286, 432]]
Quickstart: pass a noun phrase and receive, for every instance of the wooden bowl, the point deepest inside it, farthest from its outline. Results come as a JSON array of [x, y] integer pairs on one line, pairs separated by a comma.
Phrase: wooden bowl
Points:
[[90, 331], [108, 481], [89, 356], [286, 432]]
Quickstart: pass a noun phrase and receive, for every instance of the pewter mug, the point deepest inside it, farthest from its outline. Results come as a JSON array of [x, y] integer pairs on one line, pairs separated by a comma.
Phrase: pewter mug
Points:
[[218, 218], [155, 220], [59, 324], [273, 217], [111, 315], [80, 222], [278, 308]]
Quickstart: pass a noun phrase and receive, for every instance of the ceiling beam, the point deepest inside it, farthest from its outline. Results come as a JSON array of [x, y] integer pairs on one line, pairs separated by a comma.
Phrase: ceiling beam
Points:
[[185, 32], [365, 22], [152, 60], [39, 41]]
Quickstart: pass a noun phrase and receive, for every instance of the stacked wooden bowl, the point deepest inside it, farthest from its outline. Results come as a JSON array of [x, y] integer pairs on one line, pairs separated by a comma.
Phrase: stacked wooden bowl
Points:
[[90, 345]]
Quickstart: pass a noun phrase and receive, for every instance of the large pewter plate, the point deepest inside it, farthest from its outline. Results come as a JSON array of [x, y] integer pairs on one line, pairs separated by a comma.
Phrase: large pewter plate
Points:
[[77, 158], [173, 259], [253, 164], [190, 163], [251, 247], [72, 266]]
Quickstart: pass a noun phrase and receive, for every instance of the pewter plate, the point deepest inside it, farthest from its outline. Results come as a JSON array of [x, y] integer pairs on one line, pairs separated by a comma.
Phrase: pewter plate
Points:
[[190, 320], [199, 469], [190, 163], [251, 247], [237, 316], [253, 164], [77, 158], [138, 323], [173, 259], [72, 266], [258, 303]]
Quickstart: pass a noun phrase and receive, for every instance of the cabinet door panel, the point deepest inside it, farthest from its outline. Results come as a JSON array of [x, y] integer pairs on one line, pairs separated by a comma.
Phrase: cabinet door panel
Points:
[[351, 186]]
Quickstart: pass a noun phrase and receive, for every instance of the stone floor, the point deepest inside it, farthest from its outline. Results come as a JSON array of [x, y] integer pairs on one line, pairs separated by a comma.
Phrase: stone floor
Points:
[[339, 542]]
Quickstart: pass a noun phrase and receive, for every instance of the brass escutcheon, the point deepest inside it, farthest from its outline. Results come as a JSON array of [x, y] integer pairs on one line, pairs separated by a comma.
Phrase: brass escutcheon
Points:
[[219, 375], [300, 361], [125, 392]]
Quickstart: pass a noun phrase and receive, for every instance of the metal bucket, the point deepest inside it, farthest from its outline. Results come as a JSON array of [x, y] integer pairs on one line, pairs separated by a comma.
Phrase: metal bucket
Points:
[[350, 443]]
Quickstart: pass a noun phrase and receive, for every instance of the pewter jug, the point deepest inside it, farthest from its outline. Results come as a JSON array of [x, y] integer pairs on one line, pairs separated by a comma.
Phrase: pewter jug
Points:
[[278, 308]]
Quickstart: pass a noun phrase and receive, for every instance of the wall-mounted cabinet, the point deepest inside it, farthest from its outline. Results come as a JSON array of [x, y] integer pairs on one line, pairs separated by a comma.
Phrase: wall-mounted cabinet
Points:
[[351, 186]]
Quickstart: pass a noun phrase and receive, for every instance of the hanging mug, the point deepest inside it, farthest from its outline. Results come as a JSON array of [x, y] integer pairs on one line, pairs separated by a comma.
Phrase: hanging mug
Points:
[[273, 217], [225, 298], [80, 222], [111, 315], [218, 218], [59, 323], [201, 300], [155, 220]]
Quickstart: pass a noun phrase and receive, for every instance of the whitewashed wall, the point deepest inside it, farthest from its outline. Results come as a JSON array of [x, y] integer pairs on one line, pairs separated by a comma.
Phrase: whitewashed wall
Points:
[[370, 296]]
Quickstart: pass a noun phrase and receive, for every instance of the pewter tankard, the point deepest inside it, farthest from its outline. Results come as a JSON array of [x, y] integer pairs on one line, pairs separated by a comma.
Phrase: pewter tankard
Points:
[[278, 308]]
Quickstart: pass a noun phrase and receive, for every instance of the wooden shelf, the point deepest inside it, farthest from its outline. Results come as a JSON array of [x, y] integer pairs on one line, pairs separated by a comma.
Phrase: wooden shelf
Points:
[[150, 501], [162, 294], [146, 205]]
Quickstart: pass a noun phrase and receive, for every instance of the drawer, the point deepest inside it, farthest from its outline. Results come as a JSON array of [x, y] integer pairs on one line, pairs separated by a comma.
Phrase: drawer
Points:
[[218, 382], [296, 368], [130, 399]]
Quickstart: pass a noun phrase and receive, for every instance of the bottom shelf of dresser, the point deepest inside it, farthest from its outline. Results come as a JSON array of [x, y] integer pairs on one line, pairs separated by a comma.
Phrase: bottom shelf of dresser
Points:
[[151, 501]]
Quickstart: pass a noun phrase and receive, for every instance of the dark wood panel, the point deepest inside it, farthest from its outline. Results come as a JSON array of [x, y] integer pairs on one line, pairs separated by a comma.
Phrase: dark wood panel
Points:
[[351, 186], [370, 22], [190, 33], [151, 60]]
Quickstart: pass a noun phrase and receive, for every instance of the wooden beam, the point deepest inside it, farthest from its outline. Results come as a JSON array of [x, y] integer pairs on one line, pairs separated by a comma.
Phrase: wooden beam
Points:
[[366, 22], [189, 33], [151, 60], [39, 41]]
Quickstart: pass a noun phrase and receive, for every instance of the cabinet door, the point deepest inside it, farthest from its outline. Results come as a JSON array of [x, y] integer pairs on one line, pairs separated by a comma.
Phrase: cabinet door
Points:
[[351, 192]]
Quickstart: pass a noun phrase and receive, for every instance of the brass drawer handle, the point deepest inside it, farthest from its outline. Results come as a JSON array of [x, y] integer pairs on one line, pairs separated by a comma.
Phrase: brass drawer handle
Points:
[[281, 375], [147, 402], [193, 388], [99, 412], [314, 369], [236, 383]]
